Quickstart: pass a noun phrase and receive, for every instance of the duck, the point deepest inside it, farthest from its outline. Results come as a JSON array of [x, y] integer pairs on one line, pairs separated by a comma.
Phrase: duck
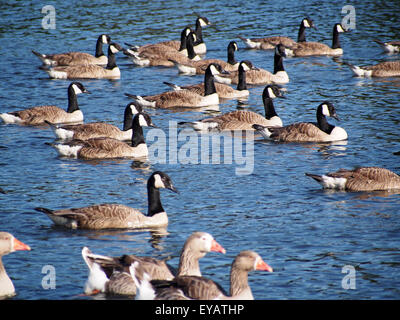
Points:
[[201, 288], [381, 70], [77, 58], [199, 45], [359, 179], [86, 131], [224, 91], [161, 55], [117, 216], [38, 115], [8, 244], [389, 46], [185, 98], [304, 49], [259, 76], [199, 66], [243, 119], [92, 71], [269, 43], [109, 148], [111, 274], [321, 131]]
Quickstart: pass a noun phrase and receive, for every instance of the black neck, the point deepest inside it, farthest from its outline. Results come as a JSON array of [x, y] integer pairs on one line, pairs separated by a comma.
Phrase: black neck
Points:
[[209, 85], [278, 63], [335, 39], [189, 47], [323, 123], [99, 47], [111, 60], [137, 132], [154, 201], [72, 100], [199, 32], [183, 41], [301, 37], [269, 108], [128, 118], [231, 55], [242, 79]]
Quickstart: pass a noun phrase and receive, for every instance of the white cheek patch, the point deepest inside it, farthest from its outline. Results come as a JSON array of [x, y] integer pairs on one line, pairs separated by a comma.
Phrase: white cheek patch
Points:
[[134, 110], [203, 23], [158, 183], [339, 28], [77, 90], [214, 70], [271, 93], [236, 47], [306, 24], [104, 38], [114, 49], [142, 121], [245, 67], [325, 110]]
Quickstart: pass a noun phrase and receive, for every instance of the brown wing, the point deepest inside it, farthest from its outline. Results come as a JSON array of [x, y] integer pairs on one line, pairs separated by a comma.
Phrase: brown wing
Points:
[[238, 120], [271, 42], [100, 148], [299, 132], [311, 48], [38, 115], [73, 58], [180, 98], [385, 69], [93, 130], [83, 71]]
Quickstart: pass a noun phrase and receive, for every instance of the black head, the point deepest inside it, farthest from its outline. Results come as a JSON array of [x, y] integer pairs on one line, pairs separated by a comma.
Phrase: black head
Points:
[[202, 22], [280, 50], [338, 27], [143, 119], [327, 109], [114, 47], [159, 180], [308, 23], [133, 108], [233, 46], [105, 38], [272, 91], [246, 65], [215, 68], [77, 87]]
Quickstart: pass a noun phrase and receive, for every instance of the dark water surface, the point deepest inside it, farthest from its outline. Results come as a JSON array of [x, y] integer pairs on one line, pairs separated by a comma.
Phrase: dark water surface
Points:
[[306, 234]]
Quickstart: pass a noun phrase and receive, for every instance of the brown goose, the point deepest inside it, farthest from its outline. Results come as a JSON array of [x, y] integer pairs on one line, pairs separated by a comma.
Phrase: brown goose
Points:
[[359, 179], [243, 119], [200, 66], [201, 288], [269, 43], [109, 148], [77, 58], [90, 71], [383, 69], [117, 216], [8, 244], [40, 114], [92, 130], [111, 274], [321, 131]]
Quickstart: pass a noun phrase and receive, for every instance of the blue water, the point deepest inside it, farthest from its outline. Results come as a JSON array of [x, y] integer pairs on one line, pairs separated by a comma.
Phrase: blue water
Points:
[[306, 234]]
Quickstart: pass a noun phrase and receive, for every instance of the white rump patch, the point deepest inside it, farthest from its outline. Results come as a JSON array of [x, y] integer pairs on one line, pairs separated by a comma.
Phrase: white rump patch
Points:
[[333, 183], [186, 69], [9, 118], [96, 281], [68, 151], [63, 133]]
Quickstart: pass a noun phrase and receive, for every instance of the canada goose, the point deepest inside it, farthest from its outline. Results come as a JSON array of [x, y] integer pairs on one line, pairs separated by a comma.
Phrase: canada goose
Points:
[[383, 69], [359, 179], [201, 288], [241, 119], [109, 148], [111, 274], [224, 91], [8, 244], [389, 46], [199, 66], [321, 131], [117, 216], [111, 71], [199, 45], [176, 45], [258, 76], [39, 114], [304, 49], [77, 58], [91, 130], [160, 55], [185, 98], [270, 43]]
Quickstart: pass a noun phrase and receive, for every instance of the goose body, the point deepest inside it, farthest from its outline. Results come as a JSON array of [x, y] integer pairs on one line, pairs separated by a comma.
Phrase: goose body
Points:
[[185, 98], [199, 66], [77, 58], [117, 216], [40, 114], [92, 130], [201, 288], [8, 244], [304, 49], [241, 119], [257, 76], [109, 148], [390, 46], [92, 71], [359, 179], [321, 131], [383, 69], [269, 43], [111, 274]]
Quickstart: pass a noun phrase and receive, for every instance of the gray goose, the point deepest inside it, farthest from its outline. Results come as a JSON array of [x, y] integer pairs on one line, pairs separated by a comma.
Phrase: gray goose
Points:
[[111, 274], [201, 288], [117, 216], [8, 244], [40, 114], [359, 179], [77, 58], [92, 130]]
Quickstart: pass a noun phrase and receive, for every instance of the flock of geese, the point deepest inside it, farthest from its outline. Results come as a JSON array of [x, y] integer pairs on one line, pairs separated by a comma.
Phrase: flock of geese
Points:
[[146, 277]]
